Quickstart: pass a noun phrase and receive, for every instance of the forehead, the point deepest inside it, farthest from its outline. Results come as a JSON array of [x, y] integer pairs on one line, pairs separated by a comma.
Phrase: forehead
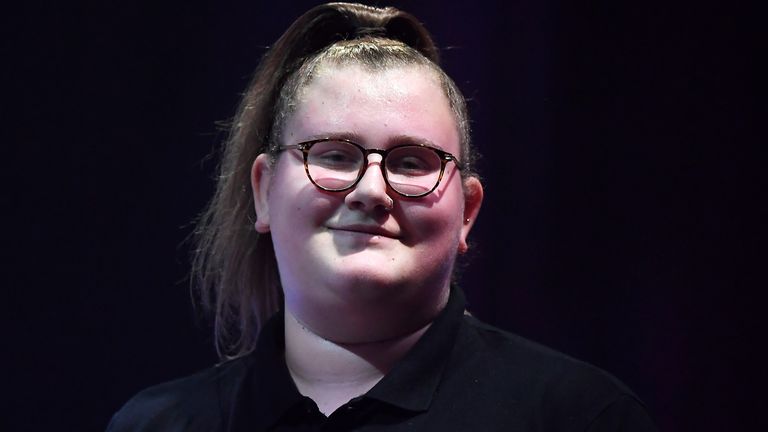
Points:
[[376, 105]]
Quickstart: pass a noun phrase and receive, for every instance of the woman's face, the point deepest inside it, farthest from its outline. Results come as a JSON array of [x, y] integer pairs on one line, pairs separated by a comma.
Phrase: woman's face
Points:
[[353, 270]]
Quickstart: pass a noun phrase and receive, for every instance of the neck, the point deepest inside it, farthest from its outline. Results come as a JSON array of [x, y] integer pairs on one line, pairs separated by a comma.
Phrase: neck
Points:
[[332, 373]]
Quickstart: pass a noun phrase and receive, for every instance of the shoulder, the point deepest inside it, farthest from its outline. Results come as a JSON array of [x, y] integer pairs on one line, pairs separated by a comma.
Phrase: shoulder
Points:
[[485, 343], [192, 403], [566, 393]]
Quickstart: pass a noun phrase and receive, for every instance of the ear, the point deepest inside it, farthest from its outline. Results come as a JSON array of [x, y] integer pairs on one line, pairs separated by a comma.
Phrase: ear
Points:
[[261, 174], [473, 199]]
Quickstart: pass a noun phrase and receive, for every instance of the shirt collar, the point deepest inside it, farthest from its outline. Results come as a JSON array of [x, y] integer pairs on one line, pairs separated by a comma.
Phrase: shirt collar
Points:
[[411, 384], [267, 391]]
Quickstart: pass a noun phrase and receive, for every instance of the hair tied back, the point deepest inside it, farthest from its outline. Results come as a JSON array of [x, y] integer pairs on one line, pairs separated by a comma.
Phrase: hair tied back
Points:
[[362, 32]]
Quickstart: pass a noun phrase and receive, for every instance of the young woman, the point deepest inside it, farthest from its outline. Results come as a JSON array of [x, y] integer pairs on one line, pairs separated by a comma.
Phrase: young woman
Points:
[[346, 192]]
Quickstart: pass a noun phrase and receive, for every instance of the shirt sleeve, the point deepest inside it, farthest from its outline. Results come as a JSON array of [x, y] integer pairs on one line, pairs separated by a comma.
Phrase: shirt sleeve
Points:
[[625, 414], [163, 409]]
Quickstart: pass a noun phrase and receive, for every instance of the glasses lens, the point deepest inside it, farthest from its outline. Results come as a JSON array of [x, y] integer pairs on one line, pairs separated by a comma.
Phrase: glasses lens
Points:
[[413, 170], [334, 165]]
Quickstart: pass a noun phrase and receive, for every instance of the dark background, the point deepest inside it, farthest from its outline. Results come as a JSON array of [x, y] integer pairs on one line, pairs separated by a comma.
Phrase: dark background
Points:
[[622, 195]]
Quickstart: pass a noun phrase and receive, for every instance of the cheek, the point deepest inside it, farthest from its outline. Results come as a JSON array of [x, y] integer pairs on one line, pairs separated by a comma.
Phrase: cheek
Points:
[[435, 242], [299, 211], [439, 224], [293, 200], [298, 218]]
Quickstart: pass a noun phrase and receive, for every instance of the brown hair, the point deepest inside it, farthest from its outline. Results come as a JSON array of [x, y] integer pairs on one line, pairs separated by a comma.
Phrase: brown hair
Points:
[[234, 270]]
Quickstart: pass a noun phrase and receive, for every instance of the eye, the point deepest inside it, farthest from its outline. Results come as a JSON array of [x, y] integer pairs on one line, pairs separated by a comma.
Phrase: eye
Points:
[[335, 155], [409, 164], [413, 161]]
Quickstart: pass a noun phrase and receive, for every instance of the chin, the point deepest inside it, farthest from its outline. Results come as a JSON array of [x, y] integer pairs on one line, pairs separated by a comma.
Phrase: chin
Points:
[[365, 304], [369, 284]]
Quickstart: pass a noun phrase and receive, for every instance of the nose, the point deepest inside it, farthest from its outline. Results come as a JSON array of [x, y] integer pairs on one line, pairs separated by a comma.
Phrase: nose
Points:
[[370, 193]]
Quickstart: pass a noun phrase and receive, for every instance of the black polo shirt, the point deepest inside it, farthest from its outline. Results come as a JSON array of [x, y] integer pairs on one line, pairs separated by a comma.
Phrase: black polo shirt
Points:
[[462, 375]]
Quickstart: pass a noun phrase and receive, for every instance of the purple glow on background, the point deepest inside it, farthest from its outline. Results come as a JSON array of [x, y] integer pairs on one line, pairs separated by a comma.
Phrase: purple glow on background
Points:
[[614, 227]]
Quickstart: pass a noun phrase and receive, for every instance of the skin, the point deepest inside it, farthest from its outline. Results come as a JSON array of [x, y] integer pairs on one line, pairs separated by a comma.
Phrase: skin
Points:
[[362, 282]]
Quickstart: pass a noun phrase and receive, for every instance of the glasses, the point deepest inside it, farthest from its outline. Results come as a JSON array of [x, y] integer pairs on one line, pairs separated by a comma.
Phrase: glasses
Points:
[[336, 165]]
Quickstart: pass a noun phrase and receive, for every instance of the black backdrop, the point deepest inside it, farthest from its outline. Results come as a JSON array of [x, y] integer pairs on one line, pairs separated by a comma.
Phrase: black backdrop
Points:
[[619, 226]]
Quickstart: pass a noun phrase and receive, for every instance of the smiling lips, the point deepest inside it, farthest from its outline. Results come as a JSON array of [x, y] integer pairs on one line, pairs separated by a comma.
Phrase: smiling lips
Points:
[[375, 230]]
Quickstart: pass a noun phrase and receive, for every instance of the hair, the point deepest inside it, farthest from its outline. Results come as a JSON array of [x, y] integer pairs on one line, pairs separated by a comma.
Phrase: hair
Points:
[[234, 270]]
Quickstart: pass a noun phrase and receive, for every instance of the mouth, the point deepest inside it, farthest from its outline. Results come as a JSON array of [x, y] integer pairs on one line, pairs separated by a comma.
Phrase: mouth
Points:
[[371, 230]]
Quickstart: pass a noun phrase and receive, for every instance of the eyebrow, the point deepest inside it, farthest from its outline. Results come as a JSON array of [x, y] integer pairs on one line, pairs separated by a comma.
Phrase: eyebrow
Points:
[[392, 141]]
